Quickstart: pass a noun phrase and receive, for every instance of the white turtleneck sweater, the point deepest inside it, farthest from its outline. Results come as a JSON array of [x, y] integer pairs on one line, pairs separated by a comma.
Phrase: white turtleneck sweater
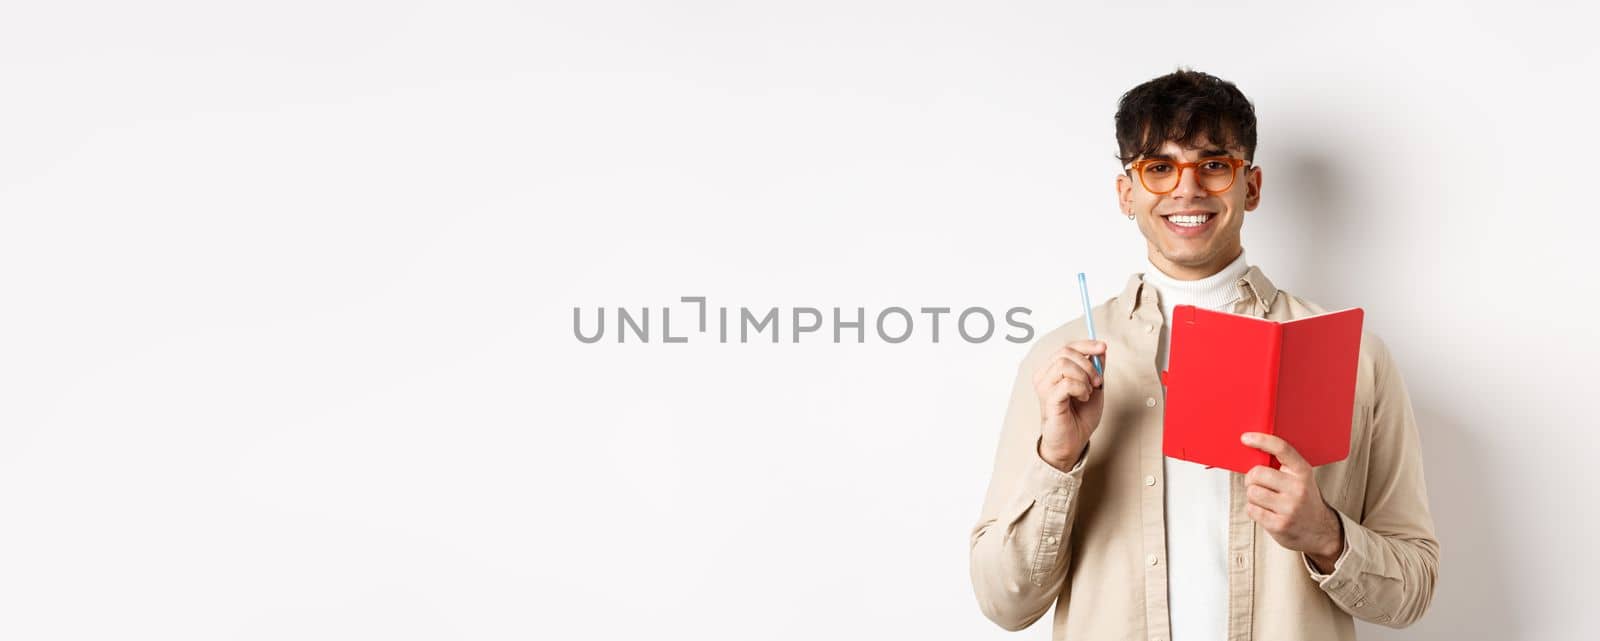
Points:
[[1196, 497]]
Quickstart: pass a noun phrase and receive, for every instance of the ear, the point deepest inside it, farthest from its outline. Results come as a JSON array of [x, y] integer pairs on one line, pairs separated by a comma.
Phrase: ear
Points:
[[1124, 194], [1252, 183]]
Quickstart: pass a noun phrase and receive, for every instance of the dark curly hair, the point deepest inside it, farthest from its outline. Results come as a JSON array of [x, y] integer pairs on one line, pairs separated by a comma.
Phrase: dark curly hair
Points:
[[1184, 106]]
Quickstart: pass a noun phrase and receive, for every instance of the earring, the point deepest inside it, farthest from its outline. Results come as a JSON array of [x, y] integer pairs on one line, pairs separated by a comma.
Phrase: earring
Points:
[[1130, 216]]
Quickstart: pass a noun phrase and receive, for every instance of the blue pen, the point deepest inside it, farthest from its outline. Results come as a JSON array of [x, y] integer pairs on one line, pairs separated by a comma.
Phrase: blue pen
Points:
[[1088, 317]]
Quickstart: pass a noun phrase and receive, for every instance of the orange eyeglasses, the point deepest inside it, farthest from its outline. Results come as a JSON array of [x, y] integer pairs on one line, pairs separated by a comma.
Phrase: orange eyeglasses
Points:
[[1215, 175]]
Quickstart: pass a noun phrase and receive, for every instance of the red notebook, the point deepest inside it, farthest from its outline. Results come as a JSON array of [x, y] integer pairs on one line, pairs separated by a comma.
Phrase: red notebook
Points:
[[1229, 374]]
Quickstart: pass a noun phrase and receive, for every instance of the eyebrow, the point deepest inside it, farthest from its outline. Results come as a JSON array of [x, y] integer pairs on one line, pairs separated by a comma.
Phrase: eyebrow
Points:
[[1205, 153]]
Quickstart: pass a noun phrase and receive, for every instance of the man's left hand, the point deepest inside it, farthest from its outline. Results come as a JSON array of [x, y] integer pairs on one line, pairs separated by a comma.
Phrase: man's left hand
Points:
[[1289, 506]]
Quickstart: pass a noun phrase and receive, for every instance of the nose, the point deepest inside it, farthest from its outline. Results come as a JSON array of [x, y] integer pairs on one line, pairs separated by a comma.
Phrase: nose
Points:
[[1189, 184]]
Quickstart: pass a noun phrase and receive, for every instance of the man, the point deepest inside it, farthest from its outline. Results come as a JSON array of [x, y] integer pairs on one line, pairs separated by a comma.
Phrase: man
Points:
[[1085, 513]]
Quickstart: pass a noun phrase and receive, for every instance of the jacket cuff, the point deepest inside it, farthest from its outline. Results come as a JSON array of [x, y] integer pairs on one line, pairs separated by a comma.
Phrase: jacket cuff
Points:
[[1337, 563], [1041, 478], [1348, 585]]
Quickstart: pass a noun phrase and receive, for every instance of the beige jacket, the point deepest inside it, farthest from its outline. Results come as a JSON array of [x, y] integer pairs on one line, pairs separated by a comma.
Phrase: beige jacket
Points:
[[1092, 541]]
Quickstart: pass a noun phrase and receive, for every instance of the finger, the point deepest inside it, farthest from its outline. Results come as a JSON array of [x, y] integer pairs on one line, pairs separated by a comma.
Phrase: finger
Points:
[[1276, 446], [1263, 516], [1045, 373], [1088, 346], [1086, 350], [1070, 386], [1267, 499], [1068, 362], [1049, 372], [1082, 363], [1271, 479], [1078, 351], [1059, 372]]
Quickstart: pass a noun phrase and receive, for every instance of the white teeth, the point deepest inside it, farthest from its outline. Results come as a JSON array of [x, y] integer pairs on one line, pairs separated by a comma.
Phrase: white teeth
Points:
[[1189, 221]]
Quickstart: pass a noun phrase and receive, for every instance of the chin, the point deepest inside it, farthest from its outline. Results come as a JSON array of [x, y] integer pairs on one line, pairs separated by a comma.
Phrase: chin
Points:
[[1189, 259]]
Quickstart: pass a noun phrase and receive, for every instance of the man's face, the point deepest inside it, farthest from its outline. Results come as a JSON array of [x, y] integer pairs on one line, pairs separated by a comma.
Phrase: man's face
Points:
[[1191, 252]]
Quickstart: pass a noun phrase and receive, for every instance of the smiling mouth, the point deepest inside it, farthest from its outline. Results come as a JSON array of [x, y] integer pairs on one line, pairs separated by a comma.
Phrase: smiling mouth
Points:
[[1189, 224], [1190, 220]]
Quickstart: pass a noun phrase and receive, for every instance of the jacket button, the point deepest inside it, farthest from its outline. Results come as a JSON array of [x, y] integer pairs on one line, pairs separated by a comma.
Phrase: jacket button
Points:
[[1150, 479], [1150, 402], [1152, 559], [1149, 329]]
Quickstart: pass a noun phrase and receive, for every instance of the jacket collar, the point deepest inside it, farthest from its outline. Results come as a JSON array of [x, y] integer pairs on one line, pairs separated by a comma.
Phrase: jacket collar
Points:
[[1253, 286]]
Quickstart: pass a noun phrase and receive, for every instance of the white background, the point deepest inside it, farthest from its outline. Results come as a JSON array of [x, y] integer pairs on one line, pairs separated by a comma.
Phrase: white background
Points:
[[286, 298]]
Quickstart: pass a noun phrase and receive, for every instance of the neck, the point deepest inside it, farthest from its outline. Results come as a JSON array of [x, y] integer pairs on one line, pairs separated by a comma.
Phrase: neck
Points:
[[1193, 272], [1218, 282], [1215, 291]]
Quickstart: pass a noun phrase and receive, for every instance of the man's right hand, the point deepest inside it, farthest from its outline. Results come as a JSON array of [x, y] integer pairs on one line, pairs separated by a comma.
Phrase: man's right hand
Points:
[[1070, 400]]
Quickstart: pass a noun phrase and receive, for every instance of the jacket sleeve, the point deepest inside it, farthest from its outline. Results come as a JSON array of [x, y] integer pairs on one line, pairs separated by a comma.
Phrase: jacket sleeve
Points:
[[1019, 553], [1391, 560]]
